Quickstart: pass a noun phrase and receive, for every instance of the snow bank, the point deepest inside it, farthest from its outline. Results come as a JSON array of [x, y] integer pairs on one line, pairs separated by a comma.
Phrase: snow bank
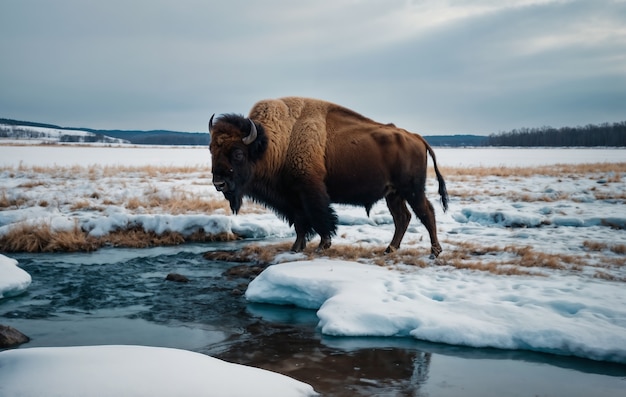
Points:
[[117, 218], [158, 223], [13, 280], [134, 371], [565, 315]]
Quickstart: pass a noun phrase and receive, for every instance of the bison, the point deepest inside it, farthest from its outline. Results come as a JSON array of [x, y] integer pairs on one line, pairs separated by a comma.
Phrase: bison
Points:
[[299, 155]]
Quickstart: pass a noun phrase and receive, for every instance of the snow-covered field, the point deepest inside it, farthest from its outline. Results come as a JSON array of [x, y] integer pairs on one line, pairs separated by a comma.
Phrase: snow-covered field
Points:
[[533, 259], [67, 155]]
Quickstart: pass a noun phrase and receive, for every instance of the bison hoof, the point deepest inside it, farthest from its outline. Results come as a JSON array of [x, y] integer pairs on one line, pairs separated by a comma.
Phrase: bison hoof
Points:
[[390, 250], [324, 245], [435, 251], [298, 246]]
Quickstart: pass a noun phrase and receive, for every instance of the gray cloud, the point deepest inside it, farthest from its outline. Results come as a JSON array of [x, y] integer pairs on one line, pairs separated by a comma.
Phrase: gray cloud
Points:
[[433, 67]]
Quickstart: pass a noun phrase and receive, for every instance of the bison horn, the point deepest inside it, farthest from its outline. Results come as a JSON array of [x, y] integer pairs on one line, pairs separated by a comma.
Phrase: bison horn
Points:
[[252, 136], [211, 123]]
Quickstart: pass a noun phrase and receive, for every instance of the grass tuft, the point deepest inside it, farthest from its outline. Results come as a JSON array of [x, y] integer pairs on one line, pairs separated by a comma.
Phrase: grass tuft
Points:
[[41, 238]]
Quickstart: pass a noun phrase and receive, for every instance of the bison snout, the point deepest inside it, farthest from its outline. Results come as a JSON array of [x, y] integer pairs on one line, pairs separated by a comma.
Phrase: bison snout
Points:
[[219, 185]]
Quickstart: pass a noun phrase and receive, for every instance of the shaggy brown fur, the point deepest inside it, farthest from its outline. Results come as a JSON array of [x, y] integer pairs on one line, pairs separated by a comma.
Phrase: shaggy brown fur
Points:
[[302, 154]]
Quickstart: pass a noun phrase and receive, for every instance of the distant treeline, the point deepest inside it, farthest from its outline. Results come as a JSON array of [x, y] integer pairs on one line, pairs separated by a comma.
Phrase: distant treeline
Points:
[[591, 135], [456, 140]]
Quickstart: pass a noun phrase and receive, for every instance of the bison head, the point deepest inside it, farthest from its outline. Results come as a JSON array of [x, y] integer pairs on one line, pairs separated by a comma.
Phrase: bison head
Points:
[[237, 143]]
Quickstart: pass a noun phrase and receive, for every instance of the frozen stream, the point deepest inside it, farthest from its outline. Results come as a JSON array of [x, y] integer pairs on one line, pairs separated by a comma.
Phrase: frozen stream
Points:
[[119, 296]]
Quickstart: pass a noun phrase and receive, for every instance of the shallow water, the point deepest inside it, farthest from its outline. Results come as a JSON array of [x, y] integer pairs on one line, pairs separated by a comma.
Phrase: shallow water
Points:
[[120, 296]]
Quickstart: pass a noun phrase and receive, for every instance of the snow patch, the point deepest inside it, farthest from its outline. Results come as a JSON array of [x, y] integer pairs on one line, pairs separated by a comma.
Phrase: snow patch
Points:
[[13, 280], [566, 315], [135, 371], [514, 219]]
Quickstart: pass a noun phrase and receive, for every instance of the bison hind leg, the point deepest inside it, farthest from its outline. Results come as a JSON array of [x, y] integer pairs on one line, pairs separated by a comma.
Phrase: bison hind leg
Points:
[[401, 218], [426, 213]]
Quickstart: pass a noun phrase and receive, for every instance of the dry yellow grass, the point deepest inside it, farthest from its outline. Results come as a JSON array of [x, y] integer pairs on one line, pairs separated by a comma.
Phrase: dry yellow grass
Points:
[[80, 205], [178, 203], [521, 260], [15, 202], [4, 199], [610, 195], [31, 184], [266, 253], [42, 238], [601, 246], [138, 238], [463, 256], [613, 171], [521, 257], [606, 276], [619, 249]]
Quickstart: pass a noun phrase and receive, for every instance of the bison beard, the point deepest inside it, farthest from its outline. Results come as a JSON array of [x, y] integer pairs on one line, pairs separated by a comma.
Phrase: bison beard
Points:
[[297, 155], [235, 199]]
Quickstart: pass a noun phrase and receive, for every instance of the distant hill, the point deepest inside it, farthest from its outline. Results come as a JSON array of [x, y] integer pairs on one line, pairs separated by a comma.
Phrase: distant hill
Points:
[[45, 133], [16, 129]]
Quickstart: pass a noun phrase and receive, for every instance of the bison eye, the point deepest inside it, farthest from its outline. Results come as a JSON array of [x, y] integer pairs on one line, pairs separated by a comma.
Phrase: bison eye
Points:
[[237, 156]]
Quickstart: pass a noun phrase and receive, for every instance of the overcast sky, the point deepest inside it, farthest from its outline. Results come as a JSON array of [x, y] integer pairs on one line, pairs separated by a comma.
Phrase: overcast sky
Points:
[[431, 66]]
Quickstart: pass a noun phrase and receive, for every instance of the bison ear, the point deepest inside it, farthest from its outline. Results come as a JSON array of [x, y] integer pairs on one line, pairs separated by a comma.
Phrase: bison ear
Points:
[[257, 148]]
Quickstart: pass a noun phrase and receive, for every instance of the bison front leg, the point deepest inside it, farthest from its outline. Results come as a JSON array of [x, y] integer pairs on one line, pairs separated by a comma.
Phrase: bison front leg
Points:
[[318, 215], [299, 245], [303, 229], [302, 233]]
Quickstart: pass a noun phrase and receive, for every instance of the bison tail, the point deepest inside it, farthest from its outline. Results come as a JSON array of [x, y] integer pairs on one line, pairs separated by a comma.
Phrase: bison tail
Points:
[[443, 192]]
